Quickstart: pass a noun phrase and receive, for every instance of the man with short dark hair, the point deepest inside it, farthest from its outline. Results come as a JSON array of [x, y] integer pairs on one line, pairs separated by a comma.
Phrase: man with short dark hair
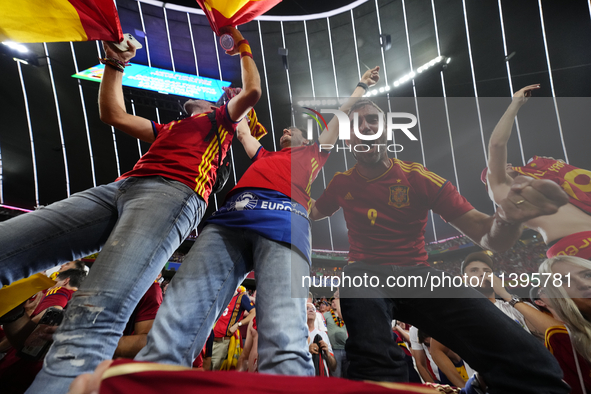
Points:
[[136, 222], [386, 203], [262, 226]]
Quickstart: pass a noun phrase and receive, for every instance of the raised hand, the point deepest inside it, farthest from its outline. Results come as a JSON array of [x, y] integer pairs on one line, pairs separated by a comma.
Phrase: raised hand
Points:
[[112, 51], [530, 198], [236, 35], [522, 95], [371, 76]]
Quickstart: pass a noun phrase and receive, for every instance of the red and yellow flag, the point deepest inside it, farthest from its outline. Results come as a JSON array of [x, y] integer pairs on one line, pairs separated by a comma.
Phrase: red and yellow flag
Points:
[[221, 13], [59, 20]]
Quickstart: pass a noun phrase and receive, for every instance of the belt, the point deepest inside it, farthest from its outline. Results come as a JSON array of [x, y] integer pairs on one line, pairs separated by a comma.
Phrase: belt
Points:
[[222, 339]]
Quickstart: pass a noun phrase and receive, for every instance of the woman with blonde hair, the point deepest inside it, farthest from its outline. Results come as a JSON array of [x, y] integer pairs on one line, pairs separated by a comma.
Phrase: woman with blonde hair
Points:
[[568, 292]]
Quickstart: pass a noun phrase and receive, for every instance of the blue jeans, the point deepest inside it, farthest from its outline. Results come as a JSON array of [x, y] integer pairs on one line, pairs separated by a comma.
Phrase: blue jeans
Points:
[[217, 263], [509, 359], [138, 222]]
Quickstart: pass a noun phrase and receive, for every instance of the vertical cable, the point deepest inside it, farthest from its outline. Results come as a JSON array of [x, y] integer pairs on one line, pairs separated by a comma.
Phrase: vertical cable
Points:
[[474, 81], [414, 89], [193, 44], [139, 4], [59, 119], [168, 36], [288, 80], [381, 46], [336, 85], [453, 157], [139, 146], [85, 117], [26, 100], [267, 85], [510, 80], [356, 49], [552, 82], [316, 126]]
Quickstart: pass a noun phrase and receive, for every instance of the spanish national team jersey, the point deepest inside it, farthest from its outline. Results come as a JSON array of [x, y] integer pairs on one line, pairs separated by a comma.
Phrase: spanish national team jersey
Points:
[[558, 341], [576, 182], [231, 315], [289, 171], [181, 152], [386, 216]]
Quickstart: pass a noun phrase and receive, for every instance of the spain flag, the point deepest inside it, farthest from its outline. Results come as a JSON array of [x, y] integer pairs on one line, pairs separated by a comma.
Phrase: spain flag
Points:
[[59, 20], [222, 13]]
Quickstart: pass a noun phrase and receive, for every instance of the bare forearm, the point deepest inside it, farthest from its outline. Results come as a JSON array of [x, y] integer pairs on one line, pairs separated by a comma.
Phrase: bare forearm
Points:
[[502, 131], [425, 375], [332, 362], [251, 80], [111, 101], [446, 366], [500, 236], [130, 345]]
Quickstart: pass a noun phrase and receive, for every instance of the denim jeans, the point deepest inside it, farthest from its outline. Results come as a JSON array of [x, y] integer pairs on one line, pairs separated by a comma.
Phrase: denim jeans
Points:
[[509, 359], [217, 263], [138, 222]]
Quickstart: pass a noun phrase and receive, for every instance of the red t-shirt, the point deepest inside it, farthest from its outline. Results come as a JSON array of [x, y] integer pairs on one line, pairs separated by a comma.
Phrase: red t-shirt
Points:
[[17, 374], [290, 171], [146, 309], [180, 151], [231, 315], [575, 181], [559, 344], [386, 216]]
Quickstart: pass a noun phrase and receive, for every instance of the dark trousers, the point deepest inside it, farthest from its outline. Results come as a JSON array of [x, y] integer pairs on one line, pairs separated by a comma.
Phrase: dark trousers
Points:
[[508, 358]]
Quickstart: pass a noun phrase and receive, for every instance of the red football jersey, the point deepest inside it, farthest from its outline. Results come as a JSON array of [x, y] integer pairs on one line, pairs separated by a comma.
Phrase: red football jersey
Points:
[[386, 216], [231, 315], [559, 344], [290, 171], [575, 181], [146, 309], [58, 296], [180, 151]]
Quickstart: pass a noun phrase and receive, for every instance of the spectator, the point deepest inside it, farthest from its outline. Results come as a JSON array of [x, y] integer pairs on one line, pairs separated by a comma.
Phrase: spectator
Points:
[[322, 347], [227, 325], [480, 266], [420, 344], [137, 221], [570, 226], [140, 323], [571, 301], [337, 334], [16, 373]]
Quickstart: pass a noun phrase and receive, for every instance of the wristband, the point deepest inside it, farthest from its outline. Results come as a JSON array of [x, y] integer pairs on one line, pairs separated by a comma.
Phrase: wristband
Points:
[[114, 63], [363, 85]]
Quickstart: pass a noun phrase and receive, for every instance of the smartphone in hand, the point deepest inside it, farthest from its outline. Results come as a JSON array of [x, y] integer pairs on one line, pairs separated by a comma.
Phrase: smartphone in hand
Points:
[[122, 46], [36, 347]]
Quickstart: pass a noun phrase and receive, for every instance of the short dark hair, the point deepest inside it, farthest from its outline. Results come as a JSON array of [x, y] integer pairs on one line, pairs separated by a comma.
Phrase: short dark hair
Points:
[[80, 265], [477, 256], [76, 276]]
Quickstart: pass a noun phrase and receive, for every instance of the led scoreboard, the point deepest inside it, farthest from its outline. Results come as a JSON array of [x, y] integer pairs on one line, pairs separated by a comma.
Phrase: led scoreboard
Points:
[[162, 81]]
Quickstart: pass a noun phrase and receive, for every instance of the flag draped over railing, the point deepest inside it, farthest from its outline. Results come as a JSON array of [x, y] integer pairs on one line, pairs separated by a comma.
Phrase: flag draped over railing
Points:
[[222, 13], [59, 20]]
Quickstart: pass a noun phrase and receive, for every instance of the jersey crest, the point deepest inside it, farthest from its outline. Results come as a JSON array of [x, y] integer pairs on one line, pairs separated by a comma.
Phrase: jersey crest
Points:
[[399, 196]]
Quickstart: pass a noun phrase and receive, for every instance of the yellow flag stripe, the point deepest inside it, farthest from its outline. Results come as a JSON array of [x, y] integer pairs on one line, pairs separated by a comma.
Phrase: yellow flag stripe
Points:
[[40, 21]]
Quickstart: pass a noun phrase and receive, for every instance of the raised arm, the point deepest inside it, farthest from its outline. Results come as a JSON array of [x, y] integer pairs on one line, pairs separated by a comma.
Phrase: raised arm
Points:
[[527, 199], [498, 180], [439, 352], [251, 145], [251, 80], [111, 103], [331, 133]]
